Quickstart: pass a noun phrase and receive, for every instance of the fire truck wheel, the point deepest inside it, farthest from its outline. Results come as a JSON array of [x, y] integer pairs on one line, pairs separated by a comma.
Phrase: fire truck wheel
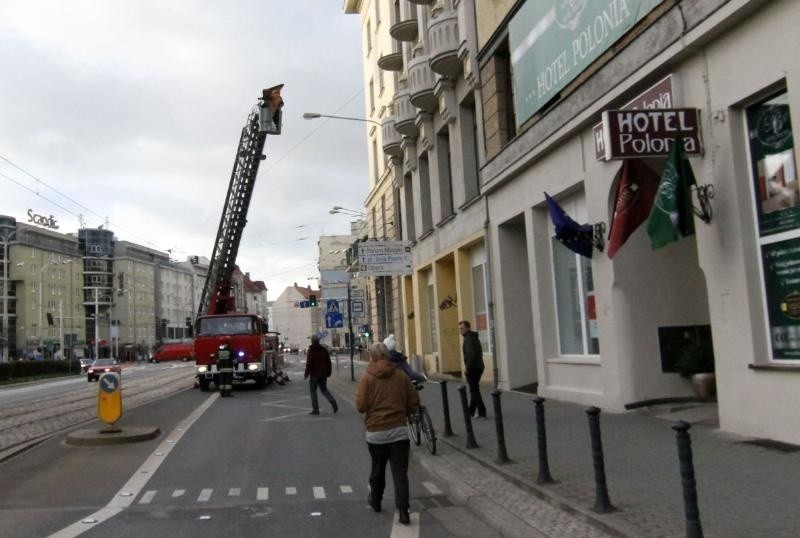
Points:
[[204, 384], [261, 382]]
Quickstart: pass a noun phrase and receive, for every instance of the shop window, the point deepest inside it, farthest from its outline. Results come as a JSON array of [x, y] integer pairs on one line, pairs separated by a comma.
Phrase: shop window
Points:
[[773, 166], [480, 320], [574, 293]]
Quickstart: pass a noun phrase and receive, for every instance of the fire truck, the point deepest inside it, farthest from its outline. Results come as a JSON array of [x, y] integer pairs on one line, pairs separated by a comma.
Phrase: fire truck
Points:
[[251, 343]]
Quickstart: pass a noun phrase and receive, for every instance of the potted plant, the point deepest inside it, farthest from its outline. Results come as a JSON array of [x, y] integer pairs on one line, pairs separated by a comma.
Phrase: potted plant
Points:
[[696, 362]]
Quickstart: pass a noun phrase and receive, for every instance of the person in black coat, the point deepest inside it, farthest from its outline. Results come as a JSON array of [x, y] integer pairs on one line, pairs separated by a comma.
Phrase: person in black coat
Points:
[[318, 368], [473, 368]]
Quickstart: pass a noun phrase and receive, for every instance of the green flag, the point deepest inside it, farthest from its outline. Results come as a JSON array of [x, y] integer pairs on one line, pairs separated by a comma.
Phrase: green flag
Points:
[[671, 216]]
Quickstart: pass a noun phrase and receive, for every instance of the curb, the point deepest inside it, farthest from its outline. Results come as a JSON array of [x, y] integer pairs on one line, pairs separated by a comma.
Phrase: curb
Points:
[[112, 437]]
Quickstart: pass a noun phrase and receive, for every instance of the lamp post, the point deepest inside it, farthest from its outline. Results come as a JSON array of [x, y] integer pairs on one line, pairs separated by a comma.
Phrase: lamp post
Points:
[[97, 321], [349, 212], [315, 115], [7, 234]]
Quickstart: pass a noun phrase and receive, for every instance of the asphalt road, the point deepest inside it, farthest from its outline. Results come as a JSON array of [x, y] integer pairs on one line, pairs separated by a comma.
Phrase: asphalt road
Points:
[[254, 464]]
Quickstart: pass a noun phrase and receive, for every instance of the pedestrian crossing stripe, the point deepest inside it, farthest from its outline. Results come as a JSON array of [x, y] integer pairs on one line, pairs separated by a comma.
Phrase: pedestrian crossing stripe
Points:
[[262, 494], [234, 492], [319, 492], [204, 496], [431, 487]]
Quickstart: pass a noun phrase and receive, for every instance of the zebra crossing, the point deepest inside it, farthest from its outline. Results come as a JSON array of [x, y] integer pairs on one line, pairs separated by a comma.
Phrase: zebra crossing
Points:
[[262, 493]]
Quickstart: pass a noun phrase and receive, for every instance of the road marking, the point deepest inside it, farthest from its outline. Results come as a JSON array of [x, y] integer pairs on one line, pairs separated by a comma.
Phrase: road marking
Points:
[[406, 531], [346, 489], [205, 495], [148, 496], [291, 490], [139, 479], [431, 487], [319, 492], [234, 492], [262, 494], [178, 492]]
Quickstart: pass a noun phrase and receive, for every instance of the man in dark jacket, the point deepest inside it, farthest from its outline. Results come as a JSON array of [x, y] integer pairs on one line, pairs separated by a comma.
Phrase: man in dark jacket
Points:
[[399, 360], [318, 368], [473, 368]]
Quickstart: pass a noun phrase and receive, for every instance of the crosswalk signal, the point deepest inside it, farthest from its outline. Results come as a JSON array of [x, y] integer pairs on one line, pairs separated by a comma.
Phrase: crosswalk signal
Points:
[[312, 300]]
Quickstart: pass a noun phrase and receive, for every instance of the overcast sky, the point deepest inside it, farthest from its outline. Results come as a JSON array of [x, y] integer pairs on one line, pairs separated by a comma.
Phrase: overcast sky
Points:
[[131, 110]]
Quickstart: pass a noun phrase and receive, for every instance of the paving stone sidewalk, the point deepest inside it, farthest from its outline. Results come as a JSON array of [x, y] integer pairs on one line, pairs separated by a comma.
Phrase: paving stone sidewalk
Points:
[[744, 490]]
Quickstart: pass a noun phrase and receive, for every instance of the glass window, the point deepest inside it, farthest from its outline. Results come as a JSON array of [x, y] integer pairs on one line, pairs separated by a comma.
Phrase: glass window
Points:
[[777, 210], [480, 321], [432, 318], [575, 299]]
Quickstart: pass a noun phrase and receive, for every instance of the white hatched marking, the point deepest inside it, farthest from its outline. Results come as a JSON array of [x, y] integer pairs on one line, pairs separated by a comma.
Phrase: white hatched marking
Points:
[[205, 495], [178, 492], [346, 489], [291, 490], [319, 492], [148, 496], [262, 494], [431, 487], [234, 492]]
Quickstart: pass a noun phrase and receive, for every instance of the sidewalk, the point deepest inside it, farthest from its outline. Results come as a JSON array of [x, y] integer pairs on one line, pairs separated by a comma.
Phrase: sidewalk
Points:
[[743, 490]]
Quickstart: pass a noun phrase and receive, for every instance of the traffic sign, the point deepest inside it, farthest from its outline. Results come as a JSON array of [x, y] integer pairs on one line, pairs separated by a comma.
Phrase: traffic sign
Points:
[[109, 398], [333, 306], [357, 307], [384, 258], [333, 320]]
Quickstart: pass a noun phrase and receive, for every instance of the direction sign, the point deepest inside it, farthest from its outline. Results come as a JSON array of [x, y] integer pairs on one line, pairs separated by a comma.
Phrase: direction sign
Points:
[[384, 258], [333, 320], [109, 397]]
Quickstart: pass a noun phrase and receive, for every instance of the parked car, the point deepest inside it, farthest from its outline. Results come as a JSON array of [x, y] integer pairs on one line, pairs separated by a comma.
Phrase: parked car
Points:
[[100, 367], [172, 352]]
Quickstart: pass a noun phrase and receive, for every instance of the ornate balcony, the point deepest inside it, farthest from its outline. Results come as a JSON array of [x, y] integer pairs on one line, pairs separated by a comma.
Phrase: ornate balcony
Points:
[[390, 137], [444, 43], [421, 2], [404, 113], [391, 61], [421, 81], [406, 29]]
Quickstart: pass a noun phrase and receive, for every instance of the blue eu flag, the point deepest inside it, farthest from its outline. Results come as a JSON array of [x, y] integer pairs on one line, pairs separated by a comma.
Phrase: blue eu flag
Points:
[[574, 236]]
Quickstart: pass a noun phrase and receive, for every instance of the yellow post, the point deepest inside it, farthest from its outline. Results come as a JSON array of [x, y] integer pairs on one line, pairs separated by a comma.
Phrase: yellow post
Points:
[[109, 398]]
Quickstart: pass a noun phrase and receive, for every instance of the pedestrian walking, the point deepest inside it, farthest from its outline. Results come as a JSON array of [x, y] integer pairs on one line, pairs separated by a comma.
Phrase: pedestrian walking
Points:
[[318, 369], [473, 368], [386, 396], [401, 361]]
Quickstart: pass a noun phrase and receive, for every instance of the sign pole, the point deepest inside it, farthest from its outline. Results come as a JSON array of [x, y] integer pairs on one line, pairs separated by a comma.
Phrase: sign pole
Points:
[[350, 330]]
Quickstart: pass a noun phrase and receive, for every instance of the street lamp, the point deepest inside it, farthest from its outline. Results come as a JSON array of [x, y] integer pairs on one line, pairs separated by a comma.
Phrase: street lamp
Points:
[[7, 234], [337, 209], [315, 115], [97, 297]]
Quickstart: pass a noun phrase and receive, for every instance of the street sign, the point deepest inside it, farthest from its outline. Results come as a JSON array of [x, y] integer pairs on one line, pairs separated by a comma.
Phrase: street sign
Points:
[[357, 306], [356, 294], [384, 258], [333, 306], [109, 398], [333, 320]]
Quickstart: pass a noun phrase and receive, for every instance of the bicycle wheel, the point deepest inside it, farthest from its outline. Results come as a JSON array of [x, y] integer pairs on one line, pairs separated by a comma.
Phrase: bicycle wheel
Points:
[[428, 432], [413, 428]]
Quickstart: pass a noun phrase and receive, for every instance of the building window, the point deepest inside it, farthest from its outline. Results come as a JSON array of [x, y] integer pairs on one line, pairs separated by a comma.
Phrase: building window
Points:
[[371, 97], [574, 293], [498, 100], [408, 190], [445, 174], [432, 318], [369, 38], [425, 193], [376, 172], [468, 127], [777, 209], [377, 14], [480, 320]]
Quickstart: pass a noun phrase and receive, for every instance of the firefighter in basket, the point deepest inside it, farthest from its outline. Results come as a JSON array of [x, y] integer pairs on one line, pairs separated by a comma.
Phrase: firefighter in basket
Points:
[[225, 368]]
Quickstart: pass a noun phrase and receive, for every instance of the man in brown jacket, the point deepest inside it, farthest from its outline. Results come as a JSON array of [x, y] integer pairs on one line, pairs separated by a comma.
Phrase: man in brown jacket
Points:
[[387, 397]]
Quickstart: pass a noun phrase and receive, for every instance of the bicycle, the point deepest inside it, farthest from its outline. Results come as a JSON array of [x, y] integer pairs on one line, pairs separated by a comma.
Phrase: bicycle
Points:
[[420, 426]]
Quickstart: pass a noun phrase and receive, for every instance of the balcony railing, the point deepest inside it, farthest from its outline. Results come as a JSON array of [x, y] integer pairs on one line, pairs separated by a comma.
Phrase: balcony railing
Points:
[[390, 137], [405, 30], [404, 113], [391, 61], [421, 80], [444, 42]]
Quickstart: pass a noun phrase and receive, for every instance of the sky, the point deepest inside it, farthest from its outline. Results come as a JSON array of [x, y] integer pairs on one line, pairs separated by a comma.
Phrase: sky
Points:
[[130, 111]]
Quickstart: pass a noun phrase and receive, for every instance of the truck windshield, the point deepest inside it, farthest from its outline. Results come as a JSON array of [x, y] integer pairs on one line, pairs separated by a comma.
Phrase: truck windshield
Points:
[[228, 325]]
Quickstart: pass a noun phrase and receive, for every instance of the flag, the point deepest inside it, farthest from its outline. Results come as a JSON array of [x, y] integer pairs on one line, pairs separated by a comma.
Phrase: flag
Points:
[[671, 217], [574, 236], [636, 186]]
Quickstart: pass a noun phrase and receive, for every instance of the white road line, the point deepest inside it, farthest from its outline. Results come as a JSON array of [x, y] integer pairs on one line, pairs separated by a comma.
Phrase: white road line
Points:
[[124, 497], [431, 487], [178, 492], [205, 495], [291, 490], [234, 492], [406, 531], [319, 492], [148, 496], [346, 489], [262, 494]]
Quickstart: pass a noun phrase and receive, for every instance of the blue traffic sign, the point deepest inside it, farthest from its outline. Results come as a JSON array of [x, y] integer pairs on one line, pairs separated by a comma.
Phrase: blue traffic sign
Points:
[[333, 320], [333, 306], [109, 383]]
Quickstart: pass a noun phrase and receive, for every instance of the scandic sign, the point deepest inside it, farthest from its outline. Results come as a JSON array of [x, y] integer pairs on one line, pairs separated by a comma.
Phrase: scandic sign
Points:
[[650, 133]]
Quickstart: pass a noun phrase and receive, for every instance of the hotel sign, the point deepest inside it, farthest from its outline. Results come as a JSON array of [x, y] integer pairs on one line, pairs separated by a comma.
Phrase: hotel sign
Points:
[[41, 220], [632, 134]]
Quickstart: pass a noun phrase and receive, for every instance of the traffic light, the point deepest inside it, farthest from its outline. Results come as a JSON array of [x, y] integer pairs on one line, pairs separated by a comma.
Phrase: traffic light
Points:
[[312, 300], [50, 319]]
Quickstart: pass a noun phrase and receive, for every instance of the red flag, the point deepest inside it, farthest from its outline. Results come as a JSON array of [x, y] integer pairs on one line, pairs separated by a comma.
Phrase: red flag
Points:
[[636, 189]]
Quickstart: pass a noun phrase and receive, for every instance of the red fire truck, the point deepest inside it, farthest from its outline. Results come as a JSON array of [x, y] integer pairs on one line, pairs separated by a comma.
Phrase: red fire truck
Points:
[[251, 343]]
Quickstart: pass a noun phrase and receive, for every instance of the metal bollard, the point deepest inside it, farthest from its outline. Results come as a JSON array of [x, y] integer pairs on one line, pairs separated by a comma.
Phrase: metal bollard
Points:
[[502, 455], [692, 512], [602, 504], [462, 392], [541, 438], [448, 430]]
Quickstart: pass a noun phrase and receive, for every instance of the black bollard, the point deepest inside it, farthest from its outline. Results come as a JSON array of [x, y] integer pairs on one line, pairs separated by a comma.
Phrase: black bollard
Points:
[[502, 455], [693, 527], [448, 430], [541, 436], [602, 504], [462, 392]]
